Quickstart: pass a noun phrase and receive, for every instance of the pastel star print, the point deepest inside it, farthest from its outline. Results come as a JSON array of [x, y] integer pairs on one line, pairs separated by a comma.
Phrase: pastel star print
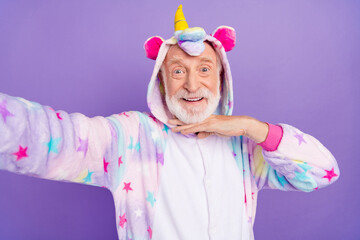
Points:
[[21, 153], [150, 232], [150, 198], [120, 161], [330, 174], [124, 113], [300, 176], [281, 179], [123, 220], [138, 212], [132, 146], [300, 137], [83, 146], [153, 118], [127, 187], [88, 177], [58, 116], [4, 111], [105, 165], [166, 128], [160, 158], [53, 144], [305, 166]]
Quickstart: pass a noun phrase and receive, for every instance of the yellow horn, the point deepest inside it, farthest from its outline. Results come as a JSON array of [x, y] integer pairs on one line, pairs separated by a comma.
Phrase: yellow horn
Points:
[[180, 21]]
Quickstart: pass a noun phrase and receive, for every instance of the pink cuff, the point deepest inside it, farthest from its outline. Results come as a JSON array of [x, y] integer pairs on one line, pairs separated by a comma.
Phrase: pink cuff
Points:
[[273, 138]]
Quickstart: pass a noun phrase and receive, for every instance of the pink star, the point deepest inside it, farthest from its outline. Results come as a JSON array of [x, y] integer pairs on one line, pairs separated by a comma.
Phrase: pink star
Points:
[[300, 137], [153, 118], [150, 232], [122, 220], [21, 153], [124, 113], [119, 161], [4, 112], [127, 187], [252, 195], [58, 116], [105, 165], [330, 174]]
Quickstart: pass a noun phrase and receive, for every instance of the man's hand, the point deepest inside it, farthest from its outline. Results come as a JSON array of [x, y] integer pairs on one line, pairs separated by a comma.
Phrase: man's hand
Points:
[[225, 126]]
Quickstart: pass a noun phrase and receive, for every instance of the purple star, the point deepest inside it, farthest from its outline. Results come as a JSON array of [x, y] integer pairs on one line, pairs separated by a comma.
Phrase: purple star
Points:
[[160, 158], [234, 154], [3, 111], [230, 104], [300, 137], [83, 146]]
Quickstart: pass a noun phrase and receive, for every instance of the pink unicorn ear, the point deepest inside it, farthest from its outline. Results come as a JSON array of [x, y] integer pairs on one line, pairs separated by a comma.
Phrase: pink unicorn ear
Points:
[[227, 36], [152, 46]]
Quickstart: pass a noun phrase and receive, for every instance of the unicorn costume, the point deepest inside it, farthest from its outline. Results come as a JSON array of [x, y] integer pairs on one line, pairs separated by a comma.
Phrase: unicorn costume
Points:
[[165, 185]]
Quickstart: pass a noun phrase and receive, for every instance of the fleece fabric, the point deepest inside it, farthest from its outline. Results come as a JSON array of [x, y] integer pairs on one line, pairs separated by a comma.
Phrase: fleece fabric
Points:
[[165, 185]]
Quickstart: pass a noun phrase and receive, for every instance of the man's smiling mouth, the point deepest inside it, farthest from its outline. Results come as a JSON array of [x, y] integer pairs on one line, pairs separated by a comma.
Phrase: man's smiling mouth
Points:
[[193, 99]]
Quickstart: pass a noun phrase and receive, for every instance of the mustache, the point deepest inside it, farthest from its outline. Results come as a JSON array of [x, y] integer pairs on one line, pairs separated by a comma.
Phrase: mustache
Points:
[[201, 93]]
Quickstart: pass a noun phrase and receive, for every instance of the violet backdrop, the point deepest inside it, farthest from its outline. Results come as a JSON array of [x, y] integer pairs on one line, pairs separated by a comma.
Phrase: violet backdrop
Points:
[[295, 62]]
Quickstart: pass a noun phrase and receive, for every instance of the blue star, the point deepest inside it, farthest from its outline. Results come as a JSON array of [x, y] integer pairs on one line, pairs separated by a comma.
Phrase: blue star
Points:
[[53, 144], [131, 143], [131, 146], [88, 177], [150, 198], [305, 166], [301, 176], [166, 128], [282, 180]]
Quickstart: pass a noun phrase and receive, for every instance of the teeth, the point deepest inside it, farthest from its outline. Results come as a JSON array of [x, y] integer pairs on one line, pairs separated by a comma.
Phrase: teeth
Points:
[[193, 100]]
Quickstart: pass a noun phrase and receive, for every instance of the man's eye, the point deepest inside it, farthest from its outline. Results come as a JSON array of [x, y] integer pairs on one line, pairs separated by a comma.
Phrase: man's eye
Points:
[[205, 69], [178, 71]]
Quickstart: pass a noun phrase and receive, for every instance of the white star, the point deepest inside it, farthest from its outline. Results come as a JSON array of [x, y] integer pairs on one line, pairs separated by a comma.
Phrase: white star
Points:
[[154, 135], [138, 212], [144, 169]]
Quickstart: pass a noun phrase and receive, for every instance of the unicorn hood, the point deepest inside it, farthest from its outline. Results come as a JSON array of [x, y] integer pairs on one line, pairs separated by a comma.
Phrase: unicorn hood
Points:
[[190, 40]]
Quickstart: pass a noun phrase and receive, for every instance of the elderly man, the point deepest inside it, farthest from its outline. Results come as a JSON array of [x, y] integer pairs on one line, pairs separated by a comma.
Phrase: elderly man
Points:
[[188, 170]]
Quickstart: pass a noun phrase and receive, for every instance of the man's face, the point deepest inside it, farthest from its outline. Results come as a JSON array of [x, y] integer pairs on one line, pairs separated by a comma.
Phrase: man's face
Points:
[[191, 83]]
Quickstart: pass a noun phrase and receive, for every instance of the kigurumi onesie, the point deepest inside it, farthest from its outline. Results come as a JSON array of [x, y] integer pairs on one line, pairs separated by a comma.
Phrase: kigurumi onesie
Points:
[[165, 185]]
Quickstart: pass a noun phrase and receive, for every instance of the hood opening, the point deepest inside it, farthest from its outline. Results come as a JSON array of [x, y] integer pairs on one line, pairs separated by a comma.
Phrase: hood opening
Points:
[[156, 100]]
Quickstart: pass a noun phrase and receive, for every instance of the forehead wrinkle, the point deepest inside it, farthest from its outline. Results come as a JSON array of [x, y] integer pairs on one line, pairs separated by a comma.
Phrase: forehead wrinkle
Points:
[[174, 59]]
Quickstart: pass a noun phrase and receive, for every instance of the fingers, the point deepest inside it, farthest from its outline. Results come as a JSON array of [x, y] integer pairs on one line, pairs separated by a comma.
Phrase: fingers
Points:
[[192, 128]]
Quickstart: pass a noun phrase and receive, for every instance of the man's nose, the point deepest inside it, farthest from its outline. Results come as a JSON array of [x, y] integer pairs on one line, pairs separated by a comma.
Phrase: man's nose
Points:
[[192, 83]]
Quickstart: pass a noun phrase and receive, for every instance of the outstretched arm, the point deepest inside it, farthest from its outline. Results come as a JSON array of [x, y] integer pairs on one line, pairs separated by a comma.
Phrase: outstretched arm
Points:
[[37, 141]]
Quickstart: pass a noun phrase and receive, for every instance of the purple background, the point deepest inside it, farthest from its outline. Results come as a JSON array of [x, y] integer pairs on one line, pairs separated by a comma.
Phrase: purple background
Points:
[[295, 62]]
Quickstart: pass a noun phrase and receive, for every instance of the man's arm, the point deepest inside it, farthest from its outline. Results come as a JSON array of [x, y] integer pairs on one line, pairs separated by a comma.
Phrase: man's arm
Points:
[[281, 156], [37, 141]]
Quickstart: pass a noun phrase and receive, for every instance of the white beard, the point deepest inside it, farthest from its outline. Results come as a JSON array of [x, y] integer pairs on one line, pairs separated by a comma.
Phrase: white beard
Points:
[[195, 114]]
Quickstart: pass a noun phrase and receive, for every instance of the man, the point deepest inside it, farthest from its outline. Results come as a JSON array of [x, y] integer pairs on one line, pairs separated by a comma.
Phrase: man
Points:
[[188, 170]]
